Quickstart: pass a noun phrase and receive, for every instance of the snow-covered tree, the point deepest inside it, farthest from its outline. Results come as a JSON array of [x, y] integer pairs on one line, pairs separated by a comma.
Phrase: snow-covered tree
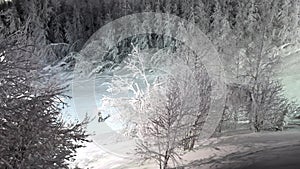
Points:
[[174, 111], [138, 94], [264, 34], [255, 32], [32, 131], [130, 86], [162, 131]]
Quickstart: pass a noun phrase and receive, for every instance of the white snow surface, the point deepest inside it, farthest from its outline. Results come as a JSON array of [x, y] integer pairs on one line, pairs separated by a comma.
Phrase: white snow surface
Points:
[[92, 157]]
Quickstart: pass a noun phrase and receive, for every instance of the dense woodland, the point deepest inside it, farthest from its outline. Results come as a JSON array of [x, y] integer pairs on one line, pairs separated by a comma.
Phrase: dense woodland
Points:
[[248, 34]]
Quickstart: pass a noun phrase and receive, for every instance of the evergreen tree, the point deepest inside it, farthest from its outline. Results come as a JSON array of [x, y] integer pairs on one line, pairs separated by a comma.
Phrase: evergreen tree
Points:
[[32, 133]]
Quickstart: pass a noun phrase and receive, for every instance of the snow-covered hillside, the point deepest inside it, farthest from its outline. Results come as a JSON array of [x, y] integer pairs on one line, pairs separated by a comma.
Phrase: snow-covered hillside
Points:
[[95, 156]]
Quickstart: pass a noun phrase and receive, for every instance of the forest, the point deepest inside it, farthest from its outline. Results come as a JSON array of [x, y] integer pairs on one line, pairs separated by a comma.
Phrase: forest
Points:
[[165, 95]]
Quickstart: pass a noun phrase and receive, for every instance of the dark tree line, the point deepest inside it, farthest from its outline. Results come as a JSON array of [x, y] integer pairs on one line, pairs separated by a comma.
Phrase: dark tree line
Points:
[[73, 21]]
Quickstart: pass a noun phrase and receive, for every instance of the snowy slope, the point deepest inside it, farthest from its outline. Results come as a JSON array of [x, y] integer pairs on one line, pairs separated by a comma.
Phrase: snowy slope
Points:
[[99, 157], [289, 72], [213, 154]]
